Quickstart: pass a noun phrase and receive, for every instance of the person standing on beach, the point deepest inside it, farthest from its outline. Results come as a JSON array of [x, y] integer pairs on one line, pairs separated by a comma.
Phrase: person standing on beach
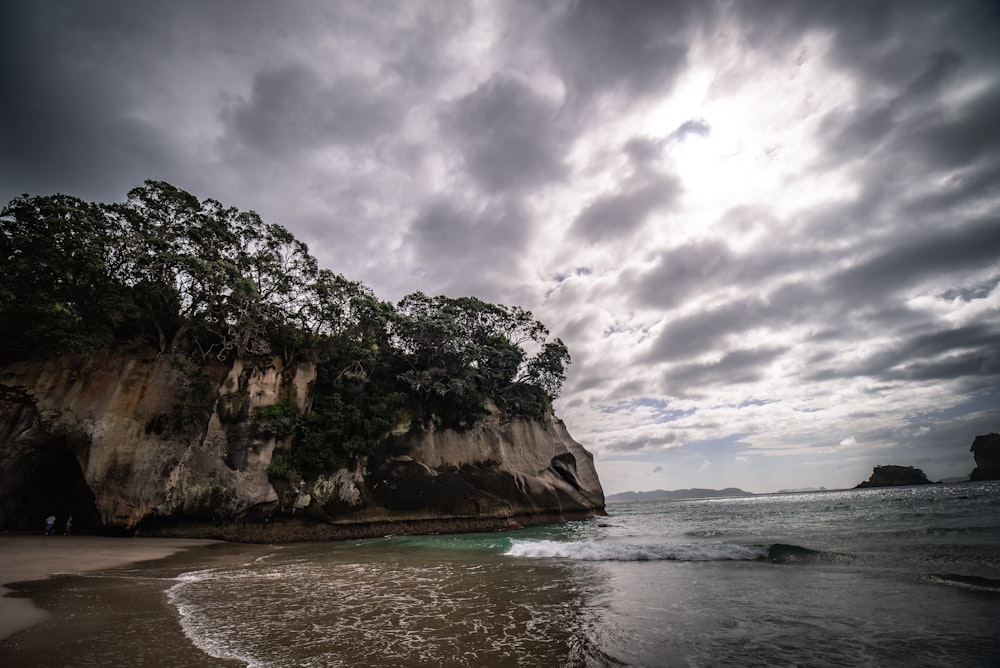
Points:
[[69, 526], [50, 522]]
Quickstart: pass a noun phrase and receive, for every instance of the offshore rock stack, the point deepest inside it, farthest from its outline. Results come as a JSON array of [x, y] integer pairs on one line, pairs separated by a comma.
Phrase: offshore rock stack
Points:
[[986, 449], [893, 476]]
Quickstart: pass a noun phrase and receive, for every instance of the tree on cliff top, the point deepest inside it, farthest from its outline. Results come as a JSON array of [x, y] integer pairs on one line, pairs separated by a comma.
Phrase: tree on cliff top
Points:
[[194, 277], [60, 275], [468, 350]]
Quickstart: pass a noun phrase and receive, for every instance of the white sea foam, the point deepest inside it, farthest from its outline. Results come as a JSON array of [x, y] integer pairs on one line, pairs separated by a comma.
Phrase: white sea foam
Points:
[[966, 582], [198, 631], [601, 551]]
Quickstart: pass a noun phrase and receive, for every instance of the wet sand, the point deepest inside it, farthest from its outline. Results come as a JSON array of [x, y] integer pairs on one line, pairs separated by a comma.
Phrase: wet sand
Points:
[[80, 600]]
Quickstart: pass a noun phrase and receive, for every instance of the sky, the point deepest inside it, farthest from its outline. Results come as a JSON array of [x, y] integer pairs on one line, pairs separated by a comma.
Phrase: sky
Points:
[[768, 231]]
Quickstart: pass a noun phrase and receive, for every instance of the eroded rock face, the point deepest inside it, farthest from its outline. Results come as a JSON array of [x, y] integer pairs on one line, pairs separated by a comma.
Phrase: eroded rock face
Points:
[[511, 471], [986, 450], [130, 441], [149, 436]]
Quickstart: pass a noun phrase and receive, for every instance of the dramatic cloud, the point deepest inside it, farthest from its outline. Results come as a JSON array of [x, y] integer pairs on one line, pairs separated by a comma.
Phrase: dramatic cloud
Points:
[[622, 213], [509, 135], [291, 108], [768, 231], [635, 52], [469, 250]]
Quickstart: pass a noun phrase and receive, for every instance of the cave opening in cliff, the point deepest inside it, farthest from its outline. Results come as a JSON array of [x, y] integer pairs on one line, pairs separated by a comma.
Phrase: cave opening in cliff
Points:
[[45, 480]]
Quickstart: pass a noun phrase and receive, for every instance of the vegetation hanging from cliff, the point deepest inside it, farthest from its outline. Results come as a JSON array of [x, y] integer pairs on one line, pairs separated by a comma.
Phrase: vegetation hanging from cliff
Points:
[[207, 282]]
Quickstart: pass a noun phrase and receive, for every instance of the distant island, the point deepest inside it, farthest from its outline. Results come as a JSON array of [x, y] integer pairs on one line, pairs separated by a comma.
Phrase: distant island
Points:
[[893, 476], [674, 495]]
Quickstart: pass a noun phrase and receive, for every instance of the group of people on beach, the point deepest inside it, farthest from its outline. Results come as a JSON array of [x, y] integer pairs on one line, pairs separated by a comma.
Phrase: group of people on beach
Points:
[[50, 524]]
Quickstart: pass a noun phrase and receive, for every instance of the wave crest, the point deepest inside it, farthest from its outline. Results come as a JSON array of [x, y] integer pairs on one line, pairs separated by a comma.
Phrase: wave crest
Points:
[[597, 551], [967, 582]]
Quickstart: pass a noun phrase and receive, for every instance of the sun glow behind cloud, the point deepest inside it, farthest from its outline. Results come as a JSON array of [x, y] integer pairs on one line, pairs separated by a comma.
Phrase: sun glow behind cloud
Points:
[[761, 150]]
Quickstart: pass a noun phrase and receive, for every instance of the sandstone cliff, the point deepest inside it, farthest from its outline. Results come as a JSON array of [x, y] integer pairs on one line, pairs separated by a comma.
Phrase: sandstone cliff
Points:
[[138, 442], [986, 450]]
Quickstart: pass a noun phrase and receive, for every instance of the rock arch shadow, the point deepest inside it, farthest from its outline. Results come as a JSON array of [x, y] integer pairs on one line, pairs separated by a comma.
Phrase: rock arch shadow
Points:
[[42, 479]]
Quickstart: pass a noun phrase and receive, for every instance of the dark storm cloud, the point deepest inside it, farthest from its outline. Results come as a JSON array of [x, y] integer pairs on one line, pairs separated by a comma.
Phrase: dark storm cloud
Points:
[[983, 364], [50, 149], [643, 151], [965, 137], [291, 108], [705, 330], [977, 183], [469, 249], [967, 293], [946, 354], [877, 41], [863, 299], [65, 120], [702, 266], [735, 367], [511, 136], [928, 75], [940, 252], [923, 137], [634, 48], [919, 120], [679, 271], [101, 95], [642, 192], [620, 214]]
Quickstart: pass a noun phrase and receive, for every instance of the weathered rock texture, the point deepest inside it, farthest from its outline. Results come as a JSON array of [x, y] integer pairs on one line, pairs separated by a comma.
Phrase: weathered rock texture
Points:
[[135, 441], [891, 476], [986, 451]]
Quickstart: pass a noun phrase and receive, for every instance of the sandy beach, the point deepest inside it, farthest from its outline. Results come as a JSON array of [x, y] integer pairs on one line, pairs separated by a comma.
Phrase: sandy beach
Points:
[[52, 562], [33, 557]]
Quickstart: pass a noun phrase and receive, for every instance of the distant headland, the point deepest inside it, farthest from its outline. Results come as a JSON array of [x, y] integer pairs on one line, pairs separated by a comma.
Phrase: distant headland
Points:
[[674, 495], [893, 476]]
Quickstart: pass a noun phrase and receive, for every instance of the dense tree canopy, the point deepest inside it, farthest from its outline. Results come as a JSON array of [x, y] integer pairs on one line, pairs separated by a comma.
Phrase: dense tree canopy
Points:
[[206, 282]]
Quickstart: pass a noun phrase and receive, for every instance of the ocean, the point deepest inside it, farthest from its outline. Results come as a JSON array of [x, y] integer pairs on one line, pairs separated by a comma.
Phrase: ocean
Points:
[[889, 577], [904, 576]]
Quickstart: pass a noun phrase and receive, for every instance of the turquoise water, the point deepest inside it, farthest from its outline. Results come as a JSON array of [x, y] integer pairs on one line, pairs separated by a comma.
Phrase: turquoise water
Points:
[[888, 577]]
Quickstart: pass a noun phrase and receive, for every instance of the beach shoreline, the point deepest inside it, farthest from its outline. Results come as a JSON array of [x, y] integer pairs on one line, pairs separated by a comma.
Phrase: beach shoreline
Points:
[[30, 557], [36, 570]]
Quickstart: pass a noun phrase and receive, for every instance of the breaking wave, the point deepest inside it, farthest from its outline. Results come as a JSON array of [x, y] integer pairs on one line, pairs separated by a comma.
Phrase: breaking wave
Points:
[[967, 582], [600, 551], [198, 628]]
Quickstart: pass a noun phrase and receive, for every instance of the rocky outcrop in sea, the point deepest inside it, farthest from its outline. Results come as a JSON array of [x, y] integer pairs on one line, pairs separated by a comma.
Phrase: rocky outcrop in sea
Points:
[[891, 476], [986, 450]]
